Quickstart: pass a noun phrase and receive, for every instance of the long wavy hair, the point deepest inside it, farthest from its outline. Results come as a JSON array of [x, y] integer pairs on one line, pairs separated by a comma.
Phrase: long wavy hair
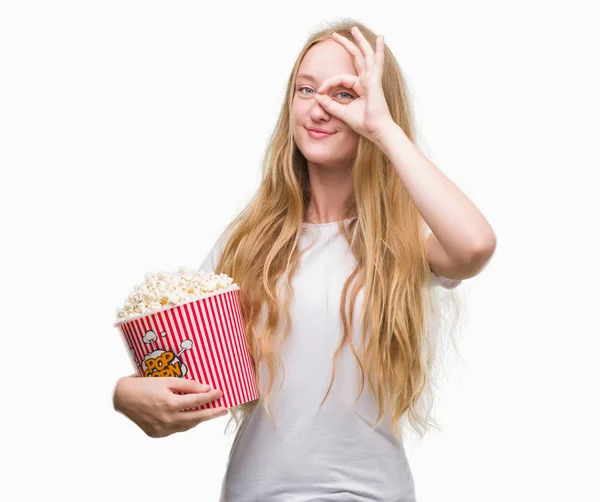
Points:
[[386, 234]]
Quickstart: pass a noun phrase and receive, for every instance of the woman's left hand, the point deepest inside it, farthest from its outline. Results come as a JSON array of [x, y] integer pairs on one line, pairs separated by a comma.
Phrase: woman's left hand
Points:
[[368, 114]]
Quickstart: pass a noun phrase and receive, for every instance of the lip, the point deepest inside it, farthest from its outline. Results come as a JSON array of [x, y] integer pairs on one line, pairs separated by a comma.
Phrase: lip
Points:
[[315, 132]]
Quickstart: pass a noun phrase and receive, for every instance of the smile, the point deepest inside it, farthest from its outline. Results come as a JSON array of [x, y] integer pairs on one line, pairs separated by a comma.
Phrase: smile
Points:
[[319, 135]]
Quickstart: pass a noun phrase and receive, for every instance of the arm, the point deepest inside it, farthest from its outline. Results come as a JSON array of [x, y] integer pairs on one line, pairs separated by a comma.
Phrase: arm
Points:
[[462, 241], [116, 394]]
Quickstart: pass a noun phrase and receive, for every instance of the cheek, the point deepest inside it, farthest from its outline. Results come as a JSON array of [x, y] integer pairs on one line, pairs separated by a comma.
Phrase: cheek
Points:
[[295, 120], [351, 142], [296, 132], [298, 115]]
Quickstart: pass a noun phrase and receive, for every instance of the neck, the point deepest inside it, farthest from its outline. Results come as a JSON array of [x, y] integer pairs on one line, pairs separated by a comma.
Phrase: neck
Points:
[[330, 188]]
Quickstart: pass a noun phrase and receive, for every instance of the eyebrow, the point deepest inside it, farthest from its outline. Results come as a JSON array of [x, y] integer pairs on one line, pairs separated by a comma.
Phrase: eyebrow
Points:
[[306, 76]]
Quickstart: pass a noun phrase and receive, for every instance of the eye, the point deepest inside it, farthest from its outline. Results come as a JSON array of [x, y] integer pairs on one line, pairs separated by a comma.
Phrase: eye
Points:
[[350, 96], [301, 88]]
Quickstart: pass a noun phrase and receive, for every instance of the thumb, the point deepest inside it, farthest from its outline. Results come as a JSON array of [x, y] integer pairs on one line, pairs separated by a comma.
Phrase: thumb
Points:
[[330, 105], [185, 385]]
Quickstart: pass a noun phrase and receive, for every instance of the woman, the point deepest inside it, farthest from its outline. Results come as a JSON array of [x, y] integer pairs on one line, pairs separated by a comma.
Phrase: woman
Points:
[[342, 215]]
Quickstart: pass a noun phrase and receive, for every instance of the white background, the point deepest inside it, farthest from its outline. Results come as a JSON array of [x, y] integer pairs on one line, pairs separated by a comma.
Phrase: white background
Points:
[[131, 133]]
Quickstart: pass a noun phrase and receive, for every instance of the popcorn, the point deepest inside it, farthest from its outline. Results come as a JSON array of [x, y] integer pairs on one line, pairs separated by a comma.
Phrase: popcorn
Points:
[[163, 290], [190, 325]]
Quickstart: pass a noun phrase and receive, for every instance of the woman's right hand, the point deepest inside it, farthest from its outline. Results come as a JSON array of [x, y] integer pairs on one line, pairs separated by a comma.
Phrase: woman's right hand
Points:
[[153, 406]]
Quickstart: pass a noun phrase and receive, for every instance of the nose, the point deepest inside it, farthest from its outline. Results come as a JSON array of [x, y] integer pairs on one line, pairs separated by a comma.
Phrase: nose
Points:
[[317, 112]]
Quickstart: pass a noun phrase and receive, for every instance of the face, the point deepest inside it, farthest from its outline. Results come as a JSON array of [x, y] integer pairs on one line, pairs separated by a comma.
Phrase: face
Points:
[[323, 60]]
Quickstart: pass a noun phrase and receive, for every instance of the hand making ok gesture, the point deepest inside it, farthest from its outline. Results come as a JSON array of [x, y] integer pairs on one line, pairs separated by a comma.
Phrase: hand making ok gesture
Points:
[[368, 114]]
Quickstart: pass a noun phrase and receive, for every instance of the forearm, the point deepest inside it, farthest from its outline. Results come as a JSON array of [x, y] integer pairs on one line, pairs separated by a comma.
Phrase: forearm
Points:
[[460, 227], [116, 394]]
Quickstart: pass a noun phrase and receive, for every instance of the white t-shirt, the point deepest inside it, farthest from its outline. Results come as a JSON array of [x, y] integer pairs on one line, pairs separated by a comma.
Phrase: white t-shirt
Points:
[[330, 453]]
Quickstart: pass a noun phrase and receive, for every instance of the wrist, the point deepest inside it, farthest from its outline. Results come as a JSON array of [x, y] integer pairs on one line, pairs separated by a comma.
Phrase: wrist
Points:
[[392, 141], [117, 393], [387, 134]]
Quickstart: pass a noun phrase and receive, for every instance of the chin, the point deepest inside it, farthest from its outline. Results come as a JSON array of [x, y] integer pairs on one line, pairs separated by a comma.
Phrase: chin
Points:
[[323, 157]]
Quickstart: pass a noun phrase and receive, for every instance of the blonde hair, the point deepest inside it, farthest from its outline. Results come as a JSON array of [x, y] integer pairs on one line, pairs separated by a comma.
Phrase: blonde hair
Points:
[[386, 237]]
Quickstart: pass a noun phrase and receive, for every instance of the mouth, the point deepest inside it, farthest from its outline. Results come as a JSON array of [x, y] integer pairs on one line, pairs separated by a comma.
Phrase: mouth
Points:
[[316, 134]]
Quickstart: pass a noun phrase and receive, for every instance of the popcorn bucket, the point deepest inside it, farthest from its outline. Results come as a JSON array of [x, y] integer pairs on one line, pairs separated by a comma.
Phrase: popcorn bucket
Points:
[[201, 340]]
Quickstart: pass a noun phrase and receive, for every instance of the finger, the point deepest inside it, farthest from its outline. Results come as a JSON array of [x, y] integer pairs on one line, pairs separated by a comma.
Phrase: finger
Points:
[[334, 108], [359, 60], [365, 46], [185, 385], [194, 418], [193, 400], [379, 56], [344, 79]]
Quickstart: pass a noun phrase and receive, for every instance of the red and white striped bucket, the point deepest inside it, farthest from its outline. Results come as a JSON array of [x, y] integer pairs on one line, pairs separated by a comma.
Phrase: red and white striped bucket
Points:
[[201, 340]]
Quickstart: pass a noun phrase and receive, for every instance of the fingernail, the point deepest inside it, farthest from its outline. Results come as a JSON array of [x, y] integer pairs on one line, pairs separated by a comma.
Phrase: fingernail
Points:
[[205, 387]]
